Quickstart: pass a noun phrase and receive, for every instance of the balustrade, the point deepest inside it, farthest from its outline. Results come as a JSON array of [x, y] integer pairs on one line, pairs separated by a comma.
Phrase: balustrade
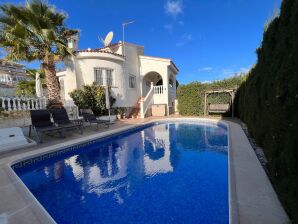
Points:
[[22, 104]]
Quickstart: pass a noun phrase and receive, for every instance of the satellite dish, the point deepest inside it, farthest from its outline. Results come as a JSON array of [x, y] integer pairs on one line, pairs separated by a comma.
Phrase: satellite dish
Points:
[[101, 40], [108, 39]]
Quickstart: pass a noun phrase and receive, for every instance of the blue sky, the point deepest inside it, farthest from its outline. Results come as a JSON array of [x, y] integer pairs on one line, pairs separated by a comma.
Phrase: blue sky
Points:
[[207, 39]]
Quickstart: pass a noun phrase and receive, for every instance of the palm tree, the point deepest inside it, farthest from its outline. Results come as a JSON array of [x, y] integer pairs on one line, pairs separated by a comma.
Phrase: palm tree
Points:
[[36, 32]]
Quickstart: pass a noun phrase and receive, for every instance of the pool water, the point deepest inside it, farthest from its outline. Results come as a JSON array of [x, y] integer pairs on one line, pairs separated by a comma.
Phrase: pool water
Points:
[[174, 172]]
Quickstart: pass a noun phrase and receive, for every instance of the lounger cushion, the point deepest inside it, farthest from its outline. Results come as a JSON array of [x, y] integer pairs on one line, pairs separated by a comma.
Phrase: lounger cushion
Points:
[[60, 116], [40, 118]]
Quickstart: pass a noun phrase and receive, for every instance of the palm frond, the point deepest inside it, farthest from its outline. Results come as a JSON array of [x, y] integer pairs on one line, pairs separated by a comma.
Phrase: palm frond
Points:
[[33, 31]]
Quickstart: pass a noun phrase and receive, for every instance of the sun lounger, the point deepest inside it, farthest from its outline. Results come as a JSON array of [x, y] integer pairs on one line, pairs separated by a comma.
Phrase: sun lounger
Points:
[[61, 118], [13, 138], [91, 119], [41, 123]]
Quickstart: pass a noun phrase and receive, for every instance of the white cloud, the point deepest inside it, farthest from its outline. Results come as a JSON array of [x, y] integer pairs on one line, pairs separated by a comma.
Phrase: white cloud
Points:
[[186, 38], [231, 71], [173, 8], [222, 73], [205, 69], [206, 82]]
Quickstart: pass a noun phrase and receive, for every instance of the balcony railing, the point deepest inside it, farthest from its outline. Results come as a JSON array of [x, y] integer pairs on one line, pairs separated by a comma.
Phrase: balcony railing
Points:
[[22, 104], [158, 90]]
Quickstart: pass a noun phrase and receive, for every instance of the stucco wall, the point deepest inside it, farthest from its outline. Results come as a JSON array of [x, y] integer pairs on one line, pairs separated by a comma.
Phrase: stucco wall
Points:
[[80, 71], [132, 66]]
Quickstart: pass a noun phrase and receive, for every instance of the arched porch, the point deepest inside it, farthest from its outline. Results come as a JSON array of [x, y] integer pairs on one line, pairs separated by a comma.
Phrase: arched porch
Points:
[[158, 85], [151, 77]]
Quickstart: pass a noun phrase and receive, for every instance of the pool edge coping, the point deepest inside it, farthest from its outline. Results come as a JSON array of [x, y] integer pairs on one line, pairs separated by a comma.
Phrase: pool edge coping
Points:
[[232, 188]]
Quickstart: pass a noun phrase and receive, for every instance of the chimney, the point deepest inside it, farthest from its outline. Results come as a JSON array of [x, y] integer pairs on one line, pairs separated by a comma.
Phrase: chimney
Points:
[[73, 42]]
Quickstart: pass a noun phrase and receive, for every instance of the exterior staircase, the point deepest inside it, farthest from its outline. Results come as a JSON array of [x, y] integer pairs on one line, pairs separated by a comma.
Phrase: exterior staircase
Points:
[[135, 112]]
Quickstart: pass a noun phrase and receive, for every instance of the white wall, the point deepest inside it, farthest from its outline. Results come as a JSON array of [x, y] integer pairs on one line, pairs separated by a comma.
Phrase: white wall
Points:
[[132, 66], [80, 71], [159, 65]]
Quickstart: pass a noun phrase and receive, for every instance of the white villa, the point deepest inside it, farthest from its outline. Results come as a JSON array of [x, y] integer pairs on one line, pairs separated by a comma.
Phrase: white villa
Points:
[[136, 80]]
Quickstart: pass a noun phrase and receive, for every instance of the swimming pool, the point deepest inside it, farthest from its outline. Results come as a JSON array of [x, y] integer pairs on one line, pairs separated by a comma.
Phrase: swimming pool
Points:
[[167, 172]]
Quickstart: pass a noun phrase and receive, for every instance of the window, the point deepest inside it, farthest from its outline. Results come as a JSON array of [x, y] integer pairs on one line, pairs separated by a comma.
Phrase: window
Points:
[[99, 77], [109, 74], [132, 81]]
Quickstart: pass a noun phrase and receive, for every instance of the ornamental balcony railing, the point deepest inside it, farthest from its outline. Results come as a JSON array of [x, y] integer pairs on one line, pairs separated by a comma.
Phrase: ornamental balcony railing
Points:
[[22, 103]]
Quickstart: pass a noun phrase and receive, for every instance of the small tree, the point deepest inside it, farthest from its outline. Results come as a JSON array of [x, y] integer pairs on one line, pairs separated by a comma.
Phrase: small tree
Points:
[[27, 88], [91, 97]]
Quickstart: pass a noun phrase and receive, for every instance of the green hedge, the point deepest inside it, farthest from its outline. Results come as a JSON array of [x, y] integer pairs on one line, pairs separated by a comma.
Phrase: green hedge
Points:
[[191, 96], [268, 103]]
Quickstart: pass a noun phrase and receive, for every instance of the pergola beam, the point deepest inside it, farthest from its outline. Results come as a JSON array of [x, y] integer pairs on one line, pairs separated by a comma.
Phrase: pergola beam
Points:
[[230, 91]]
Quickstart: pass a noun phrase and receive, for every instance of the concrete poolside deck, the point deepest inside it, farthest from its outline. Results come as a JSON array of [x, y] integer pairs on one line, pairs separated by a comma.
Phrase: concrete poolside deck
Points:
[[252, 197]]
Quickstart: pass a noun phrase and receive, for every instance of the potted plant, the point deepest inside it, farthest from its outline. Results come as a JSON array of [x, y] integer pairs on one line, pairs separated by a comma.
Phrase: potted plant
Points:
[[120, 112]]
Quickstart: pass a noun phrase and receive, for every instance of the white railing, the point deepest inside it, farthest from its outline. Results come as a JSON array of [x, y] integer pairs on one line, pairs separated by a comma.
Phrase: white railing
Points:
[[146, 102], [158, 90], [22, 104]]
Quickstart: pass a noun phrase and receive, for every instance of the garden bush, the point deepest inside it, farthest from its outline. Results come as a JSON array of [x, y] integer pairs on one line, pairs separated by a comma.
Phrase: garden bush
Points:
[[92, 97], [191, 96], [268, 103]]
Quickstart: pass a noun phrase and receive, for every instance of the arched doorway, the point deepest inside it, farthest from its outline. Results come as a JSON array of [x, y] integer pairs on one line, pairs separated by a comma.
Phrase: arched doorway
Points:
[[154, 77]]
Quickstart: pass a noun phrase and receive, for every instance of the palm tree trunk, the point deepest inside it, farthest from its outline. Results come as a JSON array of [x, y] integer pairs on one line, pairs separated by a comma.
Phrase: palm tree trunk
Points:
[[54, 99]]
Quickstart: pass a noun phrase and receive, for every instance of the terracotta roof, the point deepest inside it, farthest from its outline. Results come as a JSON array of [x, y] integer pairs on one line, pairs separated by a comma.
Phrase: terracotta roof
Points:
[[111, 45], [102, 49]]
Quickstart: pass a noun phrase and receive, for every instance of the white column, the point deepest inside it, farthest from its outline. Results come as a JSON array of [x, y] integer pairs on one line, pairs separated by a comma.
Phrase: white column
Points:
[[19, 107], [8, 104], [28, 104], [24, 106], [152, 87], [36, 104], [32, 102]]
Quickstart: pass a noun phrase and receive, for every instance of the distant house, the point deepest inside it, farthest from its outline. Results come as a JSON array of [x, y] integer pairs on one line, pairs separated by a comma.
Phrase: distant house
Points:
[[10, 74], [136, 80]]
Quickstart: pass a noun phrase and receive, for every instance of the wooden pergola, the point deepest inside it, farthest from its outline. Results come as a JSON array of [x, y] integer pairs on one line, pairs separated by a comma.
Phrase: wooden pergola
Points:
[[229, 91]]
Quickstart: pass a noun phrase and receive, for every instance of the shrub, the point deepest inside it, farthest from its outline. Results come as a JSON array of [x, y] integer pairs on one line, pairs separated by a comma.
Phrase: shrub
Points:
[[26, 88], [92, 97], [268, 103], [191, 96]]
